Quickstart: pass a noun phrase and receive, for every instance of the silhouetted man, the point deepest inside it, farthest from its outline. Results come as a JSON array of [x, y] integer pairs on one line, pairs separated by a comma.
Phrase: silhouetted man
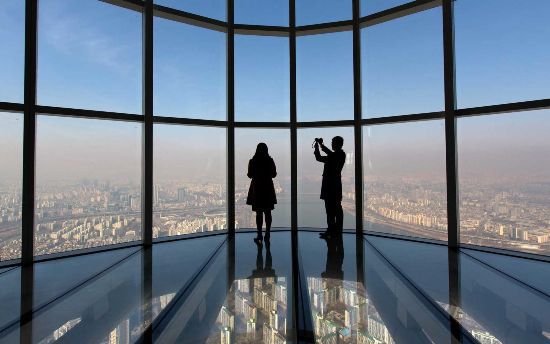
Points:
[[331, 187]]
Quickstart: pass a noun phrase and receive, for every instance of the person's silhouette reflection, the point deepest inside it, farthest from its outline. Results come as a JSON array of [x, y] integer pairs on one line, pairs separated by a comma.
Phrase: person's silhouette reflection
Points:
[[335, 257], [331, 187], [263, 271], [261, 194]]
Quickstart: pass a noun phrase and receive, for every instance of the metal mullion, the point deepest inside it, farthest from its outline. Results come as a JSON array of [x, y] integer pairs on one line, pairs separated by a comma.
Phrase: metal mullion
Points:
[[11, 107], [398, 12], [133, 5], [230, 119], [189, 18], [190, 121], [295, 302], [293, 119], [147, 290], [321, 124], [357, 117], [450, 125], [147, 140], [529, 105], [273, 125], [83, 113], [315, 29], [261, 30], [404, 118], [29, 164], [29, 133], [453, 224]]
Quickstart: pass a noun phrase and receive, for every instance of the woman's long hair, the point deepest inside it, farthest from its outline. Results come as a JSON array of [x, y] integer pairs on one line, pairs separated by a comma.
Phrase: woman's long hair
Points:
[[261, 152]]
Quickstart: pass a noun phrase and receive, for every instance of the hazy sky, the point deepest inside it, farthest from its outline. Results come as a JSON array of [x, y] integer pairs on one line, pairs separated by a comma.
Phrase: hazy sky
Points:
[[90, 56]]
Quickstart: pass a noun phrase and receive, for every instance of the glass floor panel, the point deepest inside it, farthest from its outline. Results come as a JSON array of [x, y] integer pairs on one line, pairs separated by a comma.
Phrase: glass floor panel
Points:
[[491, 306], [531, 272], [244, 302], [348, 289], [374, 305], [112, 304], [76, 270], [10, 297]]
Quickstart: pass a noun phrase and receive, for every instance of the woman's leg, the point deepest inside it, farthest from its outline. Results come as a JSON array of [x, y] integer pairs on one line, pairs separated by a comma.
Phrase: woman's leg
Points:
[[259, 222], [268, 221]]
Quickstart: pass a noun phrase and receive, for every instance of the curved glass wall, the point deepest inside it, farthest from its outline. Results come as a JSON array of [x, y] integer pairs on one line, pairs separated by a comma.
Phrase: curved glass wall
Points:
[[311, 208], [189, 191], [85, 60], [11, 150], [503, 62], [12, 35], [324, 73], [262, 79], [278, 143], [146, 119], [404, 179], [88, 183], [402, 66], [504, 175], [189, 71]]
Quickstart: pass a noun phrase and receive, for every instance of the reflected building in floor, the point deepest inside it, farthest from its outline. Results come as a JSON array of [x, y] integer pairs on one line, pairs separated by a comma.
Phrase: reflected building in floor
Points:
[[342, 313], [255, 311]]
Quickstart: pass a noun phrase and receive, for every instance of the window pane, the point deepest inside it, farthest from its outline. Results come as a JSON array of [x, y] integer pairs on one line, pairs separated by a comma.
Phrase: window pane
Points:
[[322, 11], [85, 58], [403, 65], [404, 179], [374, 6], [11, 151], [262, 79], [278, 143], [189, 194], [88, 183], [208, 8], [504, 169], [325, 77], [262, 12], [311, 209], [189, 71], [12, 56], [500, 54]]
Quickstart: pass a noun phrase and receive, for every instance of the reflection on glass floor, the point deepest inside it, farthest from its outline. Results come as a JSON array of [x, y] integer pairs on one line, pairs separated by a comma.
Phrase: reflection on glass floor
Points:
[[339, 290], [255, 311], [256, 307]]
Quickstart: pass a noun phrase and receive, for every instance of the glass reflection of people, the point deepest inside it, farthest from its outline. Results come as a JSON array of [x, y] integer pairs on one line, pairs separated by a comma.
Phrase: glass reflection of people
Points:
[[261, 194], [335, 257], [263, 271], [331, 186]]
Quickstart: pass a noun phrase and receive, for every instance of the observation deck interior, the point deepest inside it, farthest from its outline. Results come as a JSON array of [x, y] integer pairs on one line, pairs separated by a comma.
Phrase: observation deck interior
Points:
[[126, 129]]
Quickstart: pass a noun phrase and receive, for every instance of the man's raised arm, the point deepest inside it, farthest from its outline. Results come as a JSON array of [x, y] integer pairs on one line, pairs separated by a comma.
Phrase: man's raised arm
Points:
[[326, 149], [318, 155]]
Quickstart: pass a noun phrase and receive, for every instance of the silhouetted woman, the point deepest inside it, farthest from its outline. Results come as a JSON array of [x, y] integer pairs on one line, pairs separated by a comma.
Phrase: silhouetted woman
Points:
[[261, 194]]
